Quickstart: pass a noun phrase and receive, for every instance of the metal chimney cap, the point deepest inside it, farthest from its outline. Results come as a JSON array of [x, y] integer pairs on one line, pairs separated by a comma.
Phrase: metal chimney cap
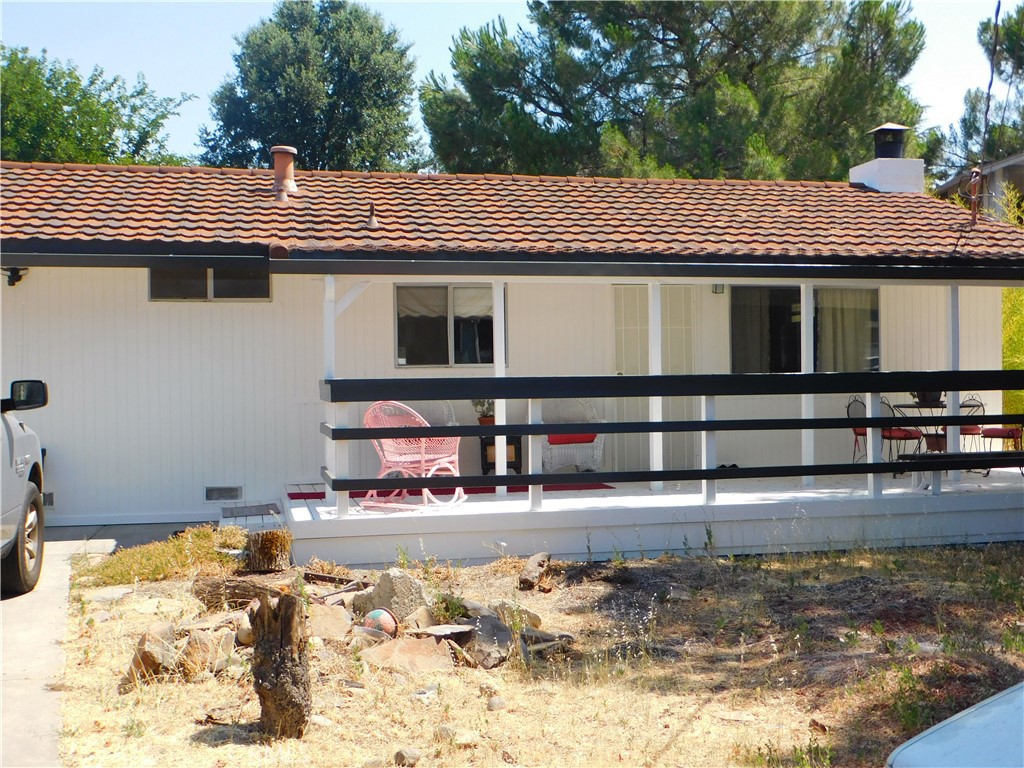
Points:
[[891, 127]]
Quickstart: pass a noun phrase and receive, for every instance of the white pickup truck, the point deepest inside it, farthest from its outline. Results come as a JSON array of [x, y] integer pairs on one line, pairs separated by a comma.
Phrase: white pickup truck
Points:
[[21, 532]]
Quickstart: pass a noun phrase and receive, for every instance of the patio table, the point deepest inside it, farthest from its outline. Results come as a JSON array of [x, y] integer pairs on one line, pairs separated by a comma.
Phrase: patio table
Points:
[[934, 437]]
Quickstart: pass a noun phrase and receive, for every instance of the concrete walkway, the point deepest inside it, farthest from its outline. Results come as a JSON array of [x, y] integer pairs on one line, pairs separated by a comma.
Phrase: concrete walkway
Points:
[[32, 629]]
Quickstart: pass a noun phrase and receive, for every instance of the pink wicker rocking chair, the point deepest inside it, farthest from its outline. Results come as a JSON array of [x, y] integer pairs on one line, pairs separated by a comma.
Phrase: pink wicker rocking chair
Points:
[[411, 456]]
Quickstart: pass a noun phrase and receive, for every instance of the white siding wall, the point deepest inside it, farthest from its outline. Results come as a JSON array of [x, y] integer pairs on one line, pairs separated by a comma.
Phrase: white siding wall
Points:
[[153, 401]]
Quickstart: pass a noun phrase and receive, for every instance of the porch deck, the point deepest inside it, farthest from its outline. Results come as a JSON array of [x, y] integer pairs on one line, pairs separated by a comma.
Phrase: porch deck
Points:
[[757, 515]]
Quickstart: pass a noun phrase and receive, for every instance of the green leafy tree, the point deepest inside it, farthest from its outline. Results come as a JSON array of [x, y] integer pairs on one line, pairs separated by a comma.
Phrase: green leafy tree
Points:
[[327, 78], [975, 139], [50, 113], [705, 89]]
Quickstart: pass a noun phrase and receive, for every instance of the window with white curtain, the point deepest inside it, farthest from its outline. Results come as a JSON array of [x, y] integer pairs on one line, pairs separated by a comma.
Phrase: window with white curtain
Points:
[[444, 325], [765, 334]]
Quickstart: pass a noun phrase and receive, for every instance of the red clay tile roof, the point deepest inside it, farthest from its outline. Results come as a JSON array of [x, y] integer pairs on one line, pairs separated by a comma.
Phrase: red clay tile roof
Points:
[[470, 214]]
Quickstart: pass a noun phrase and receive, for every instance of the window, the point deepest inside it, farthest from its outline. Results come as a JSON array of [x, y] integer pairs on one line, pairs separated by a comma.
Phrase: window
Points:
[[444, 325], [766, 329], [203, 284]]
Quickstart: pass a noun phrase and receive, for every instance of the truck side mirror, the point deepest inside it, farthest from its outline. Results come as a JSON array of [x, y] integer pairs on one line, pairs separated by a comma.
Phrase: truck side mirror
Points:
[[27, 394]]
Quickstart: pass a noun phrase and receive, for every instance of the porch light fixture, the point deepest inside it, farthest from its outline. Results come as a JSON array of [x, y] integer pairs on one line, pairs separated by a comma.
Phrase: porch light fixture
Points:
[[717, 288], [14, 274]]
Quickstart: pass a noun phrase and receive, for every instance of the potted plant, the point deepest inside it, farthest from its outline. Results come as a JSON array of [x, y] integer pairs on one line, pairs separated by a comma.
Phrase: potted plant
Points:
[[927, 398], [484, 410]]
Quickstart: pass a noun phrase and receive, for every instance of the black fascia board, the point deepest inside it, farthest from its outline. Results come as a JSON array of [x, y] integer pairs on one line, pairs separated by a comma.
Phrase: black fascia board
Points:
[[494, 264], [39, 252]]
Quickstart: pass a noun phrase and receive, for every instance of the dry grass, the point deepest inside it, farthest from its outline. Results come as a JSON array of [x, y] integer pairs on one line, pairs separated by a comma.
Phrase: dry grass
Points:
[[872, 646]]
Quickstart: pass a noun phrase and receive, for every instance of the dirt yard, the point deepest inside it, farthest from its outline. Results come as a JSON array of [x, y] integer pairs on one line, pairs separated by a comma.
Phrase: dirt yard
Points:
[[699, 661]]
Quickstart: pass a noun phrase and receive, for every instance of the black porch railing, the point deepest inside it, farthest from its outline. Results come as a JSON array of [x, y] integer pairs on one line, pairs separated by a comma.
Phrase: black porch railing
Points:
[[704, 386]]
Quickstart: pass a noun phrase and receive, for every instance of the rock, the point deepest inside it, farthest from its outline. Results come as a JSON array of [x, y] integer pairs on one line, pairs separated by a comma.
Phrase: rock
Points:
[[444, 733], [491, 642], [363, 638], [514, 614], [101, 616], [398, 591], [107, 594], [534, 636], [320, 720], [419, 619], [331, 622], [155, 653], [375, 762], [159, 606], [534, 569], [465, 739], [441, 630], [474, 609], [488, 688], [425, 695], [224, 644], [413, 656], [214, 621], [244, 634], [495, 703], [196, 655], [673, 593], [407, 756]]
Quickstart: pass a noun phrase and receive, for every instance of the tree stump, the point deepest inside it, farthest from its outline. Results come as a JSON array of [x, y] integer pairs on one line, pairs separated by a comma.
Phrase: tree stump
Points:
[[218, 593], [268, 550], [280, 667]]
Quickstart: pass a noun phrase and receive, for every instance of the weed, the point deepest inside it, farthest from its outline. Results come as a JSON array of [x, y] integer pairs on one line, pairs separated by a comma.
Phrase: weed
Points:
[[618, 557], [813, 755], [134, 728], [402, 557], [962, 642], [1013, 639], [877, 628], [912, 702], [1004, 589], [447, 608], [709, 540], [192, 552]]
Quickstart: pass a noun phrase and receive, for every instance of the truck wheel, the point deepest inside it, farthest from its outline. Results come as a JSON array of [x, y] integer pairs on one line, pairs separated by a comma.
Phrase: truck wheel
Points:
[[22, 565]]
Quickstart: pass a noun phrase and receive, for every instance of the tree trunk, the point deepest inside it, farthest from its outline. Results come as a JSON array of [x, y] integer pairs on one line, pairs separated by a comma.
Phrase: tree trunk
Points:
[[268, 550], [280, 667]]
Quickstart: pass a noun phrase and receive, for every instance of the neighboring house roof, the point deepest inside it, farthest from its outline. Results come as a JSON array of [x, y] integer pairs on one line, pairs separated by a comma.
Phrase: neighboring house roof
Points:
[[70, 210], [959, 183]]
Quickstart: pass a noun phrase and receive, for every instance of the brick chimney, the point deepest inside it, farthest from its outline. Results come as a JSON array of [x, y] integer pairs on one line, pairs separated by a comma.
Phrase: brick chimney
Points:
[[284, 171], [890, 171]]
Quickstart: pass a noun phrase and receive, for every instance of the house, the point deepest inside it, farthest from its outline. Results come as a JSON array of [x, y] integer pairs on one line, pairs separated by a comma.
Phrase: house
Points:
[[184, 318], [1008, 171]]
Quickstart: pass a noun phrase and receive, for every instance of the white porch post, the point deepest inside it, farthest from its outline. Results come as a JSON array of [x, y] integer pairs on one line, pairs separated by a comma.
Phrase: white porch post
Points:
[[807, 366], [874, 440], [709, 447], [534, 463], [337, 453], [500, 411], [654, 368], [953, 356]]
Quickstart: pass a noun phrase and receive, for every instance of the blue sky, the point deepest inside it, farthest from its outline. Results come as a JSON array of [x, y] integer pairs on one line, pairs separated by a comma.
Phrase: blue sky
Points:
[[187, 46]]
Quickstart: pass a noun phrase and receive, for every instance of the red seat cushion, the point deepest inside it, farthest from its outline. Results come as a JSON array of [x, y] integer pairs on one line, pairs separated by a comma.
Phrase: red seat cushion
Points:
[[571, 439], [1009, 433], [899, 433]]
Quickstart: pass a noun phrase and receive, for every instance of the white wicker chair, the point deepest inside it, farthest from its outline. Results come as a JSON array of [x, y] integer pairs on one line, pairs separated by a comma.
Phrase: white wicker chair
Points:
[[585, 452]]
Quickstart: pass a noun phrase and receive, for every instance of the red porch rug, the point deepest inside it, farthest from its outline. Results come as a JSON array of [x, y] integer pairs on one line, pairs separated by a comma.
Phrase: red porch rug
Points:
[[314, 494]]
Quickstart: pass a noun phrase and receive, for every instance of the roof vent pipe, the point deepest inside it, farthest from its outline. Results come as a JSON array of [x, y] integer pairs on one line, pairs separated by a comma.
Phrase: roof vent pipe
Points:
[[284, 171], [889, 140]]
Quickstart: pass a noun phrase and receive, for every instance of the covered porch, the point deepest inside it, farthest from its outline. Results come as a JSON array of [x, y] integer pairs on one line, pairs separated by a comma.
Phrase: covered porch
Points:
[[711, 509]]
